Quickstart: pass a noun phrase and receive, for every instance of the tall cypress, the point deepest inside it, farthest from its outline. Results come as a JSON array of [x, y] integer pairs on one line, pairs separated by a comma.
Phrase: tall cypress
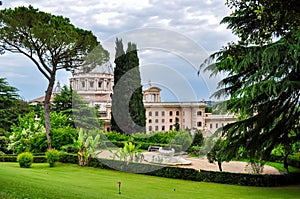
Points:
[[136, 105], [118, 73], [128, 112]]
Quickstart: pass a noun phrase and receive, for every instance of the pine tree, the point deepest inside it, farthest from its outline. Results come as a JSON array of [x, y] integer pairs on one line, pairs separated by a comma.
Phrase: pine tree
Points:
[[80, 115], [263, 77], [128, 112]]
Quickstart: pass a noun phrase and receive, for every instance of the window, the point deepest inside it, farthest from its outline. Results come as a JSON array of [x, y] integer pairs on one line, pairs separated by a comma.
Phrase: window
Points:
[[171, 120], [156, 128], [171, 127], [171, 113], [99, 84], [83, 84], [150, 128], [217, 125], [91, 84], [150, 113], [150, 121], [210, 126], [156, 113], [162, 120], [199, 124], [162, 128], [199, 113], [163, 113], [156, 120], [177, 113]]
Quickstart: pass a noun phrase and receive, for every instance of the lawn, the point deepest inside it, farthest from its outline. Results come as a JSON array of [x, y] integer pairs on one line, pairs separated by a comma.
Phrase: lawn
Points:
[[72, 181]]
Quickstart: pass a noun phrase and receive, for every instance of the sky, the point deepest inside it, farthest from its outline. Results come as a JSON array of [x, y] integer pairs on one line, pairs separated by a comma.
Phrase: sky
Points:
[[173, 39]]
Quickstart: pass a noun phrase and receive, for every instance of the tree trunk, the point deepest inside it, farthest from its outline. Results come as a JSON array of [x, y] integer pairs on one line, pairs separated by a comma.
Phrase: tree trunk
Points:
[[47, 104], [220, 166], [285, 163]]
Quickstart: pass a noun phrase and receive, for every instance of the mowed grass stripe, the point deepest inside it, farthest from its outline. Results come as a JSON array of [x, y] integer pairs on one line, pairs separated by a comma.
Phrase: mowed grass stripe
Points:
[[72, 181]]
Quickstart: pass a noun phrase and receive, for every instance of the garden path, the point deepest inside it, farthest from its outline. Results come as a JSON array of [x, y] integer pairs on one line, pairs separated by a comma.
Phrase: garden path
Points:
[[202, 163]]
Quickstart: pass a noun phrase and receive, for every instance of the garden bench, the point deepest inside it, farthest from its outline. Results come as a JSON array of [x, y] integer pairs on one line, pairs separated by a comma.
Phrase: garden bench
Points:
[[153, 148]]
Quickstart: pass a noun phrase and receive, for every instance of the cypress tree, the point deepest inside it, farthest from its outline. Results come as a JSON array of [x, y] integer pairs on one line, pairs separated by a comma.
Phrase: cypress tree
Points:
[[136, 106], [128, 112], [118, 73]]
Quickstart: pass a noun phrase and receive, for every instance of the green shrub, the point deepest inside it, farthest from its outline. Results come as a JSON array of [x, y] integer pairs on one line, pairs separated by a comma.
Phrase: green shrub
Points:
[[68, 158], [63, 136], [52, 156], [182, 138], [25, 159], [115, 136], [60, 137]]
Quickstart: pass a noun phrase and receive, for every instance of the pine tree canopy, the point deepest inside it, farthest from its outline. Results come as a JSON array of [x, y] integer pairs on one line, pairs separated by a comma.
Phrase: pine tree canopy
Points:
[[51, 42], [263, 82]]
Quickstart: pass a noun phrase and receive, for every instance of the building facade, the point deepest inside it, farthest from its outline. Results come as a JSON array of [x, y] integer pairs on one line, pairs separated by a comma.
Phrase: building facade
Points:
[[96, 88]]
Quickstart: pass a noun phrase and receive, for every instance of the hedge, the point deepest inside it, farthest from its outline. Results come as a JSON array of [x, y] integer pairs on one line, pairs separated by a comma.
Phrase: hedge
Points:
[[194, 175], [13, 158], [178, 172]]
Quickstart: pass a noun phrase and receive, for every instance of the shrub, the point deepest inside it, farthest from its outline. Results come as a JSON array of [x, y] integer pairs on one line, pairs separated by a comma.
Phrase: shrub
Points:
[[52, 156], [68, 158], [25, 159], [182, 138]]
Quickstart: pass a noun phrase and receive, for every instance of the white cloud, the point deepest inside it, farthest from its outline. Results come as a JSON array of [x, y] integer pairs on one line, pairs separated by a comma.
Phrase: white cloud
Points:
[[188, 29]]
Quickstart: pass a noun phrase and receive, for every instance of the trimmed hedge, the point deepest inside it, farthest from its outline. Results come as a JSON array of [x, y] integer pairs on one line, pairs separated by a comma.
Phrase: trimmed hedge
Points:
[[178, 172], [13, 158], [194, 175]]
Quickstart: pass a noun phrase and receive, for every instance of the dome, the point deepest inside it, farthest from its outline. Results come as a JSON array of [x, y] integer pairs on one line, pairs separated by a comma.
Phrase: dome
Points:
[[104, 68]]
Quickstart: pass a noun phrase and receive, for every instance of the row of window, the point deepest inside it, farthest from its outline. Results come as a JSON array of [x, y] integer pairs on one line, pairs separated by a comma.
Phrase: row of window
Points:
[[156, 113], [92, 84], [156, 128], [162, 120]]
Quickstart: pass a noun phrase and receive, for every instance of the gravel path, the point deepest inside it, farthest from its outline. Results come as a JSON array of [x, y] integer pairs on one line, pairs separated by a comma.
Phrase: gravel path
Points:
[[202, 163]]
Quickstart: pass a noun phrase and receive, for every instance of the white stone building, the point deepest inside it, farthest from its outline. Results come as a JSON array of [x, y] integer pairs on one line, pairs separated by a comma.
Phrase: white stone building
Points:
[[96, 88]]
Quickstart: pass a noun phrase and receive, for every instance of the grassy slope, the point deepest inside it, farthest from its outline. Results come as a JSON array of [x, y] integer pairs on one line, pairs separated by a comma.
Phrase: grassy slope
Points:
[[71, 181]]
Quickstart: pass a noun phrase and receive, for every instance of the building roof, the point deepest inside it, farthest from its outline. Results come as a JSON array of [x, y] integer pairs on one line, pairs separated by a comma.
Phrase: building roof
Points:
[[41, 99], [105, 68]]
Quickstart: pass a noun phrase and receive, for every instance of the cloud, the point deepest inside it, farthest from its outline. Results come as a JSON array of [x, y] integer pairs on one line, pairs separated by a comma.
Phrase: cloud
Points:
[[178, 34]]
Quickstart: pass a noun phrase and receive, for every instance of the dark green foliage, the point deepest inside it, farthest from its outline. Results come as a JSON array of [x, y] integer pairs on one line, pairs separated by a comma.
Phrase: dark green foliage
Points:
[[177, 125], [214, 154], [119, 71], [63, 136], [8, 158], [198, 139], [68, 158], [79, 114], [38, 143], [52, 156], [25, 159], [128, 112], [60, 137], [263, 77], [11, 106]]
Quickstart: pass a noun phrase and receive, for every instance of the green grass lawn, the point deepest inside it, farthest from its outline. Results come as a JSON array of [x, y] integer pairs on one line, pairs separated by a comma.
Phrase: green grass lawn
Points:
[[72, 181]]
